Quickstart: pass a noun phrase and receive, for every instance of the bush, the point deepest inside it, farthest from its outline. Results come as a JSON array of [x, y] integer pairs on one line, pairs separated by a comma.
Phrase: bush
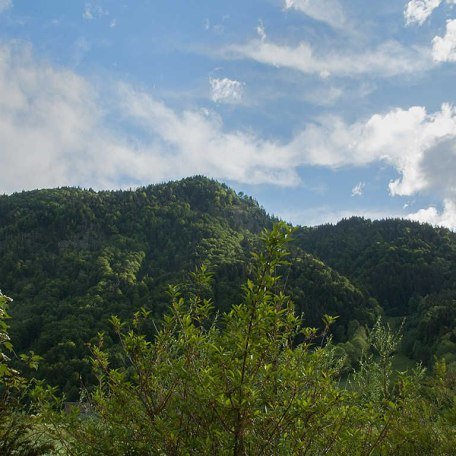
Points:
[[252, 381], [18, 434]]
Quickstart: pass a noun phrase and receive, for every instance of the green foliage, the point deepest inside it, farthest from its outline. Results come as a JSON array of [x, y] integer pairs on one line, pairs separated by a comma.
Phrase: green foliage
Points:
[[18, 434], [398, 406], [5, 344], [432, 329], [72, 258], [409, 268], [253, 381], [394, 260]]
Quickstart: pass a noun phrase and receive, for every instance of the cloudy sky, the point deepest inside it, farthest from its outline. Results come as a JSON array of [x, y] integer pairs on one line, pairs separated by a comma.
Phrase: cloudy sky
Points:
[[320, 109]]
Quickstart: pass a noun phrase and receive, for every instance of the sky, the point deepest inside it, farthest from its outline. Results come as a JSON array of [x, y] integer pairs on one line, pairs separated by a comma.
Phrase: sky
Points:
[[319, 109]]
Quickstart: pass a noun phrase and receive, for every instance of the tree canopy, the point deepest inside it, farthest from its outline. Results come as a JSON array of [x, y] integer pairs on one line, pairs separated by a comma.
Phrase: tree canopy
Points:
[[72, 258]]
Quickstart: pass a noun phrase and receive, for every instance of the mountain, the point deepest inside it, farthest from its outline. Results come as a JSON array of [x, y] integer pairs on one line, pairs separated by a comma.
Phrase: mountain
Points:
[[409, 268], [72, 258]]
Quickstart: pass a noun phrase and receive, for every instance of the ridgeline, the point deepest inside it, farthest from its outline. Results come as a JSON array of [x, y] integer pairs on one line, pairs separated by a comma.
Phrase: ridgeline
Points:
[[72, 258]]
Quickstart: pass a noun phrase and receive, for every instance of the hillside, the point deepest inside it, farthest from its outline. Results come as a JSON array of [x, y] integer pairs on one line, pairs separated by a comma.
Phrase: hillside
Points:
[[71, 258], [409, 268]]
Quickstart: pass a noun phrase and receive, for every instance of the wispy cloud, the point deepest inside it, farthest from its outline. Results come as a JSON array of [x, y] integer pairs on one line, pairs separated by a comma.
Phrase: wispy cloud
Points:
[[93, 11], [358, 189], [5, 5], [39, 100], [217, 28], [261, 31], [226, 90], [444, 48], [47, 122], [189, 142], [389, 59], [55, 130], [328, 11]]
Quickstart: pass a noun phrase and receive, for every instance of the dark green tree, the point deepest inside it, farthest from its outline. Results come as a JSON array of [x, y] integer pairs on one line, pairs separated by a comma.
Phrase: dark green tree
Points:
[[19, 436]]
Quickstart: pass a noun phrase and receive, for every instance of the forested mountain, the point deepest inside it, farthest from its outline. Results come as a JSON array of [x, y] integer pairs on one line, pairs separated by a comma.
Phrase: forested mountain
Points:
[[72, 258], [409, 268]]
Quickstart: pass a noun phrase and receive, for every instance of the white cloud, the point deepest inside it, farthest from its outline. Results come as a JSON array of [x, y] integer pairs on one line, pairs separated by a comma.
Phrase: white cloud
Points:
[[87, 14], [192, 142], [217, 28], [419, 145], [5, 5], [447, 217], [31, 100], [388, 59], [226, 90], [402, 138], [444, 48], [261, 31], [358, 189], [52, 116], [51, 130], [417, 11], [325, 95], [92, 11], [54, 131], [328, 11]]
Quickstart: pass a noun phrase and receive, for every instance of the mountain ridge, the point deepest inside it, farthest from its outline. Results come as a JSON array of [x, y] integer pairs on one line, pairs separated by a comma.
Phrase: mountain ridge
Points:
[[71, 258]]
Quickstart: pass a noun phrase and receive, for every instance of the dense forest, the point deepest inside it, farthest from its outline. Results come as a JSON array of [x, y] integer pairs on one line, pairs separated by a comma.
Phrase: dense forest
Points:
[[409, 268], [72, 258], [253, 380]]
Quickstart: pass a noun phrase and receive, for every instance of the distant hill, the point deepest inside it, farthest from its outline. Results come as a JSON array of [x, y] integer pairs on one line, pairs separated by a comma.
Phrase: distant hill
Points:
[[71, 258], [409, 268]]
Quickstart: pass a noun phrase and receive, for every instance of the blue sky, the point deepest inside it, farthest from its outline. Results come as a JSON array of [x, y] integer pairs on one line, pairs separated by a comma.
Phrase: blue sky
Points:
[[320, 109]]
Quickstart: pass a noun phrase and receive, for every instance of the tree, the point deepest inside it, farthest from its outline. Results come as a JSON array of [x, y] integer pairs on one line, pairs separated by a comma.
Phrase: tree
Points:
[[18, 435], [252, 381]]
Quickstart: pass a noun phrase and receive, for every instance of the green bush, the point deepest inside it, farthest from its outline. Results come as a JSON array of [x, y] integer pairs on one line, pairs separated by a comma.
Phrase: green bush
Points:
[[252, 381], [18, 434]]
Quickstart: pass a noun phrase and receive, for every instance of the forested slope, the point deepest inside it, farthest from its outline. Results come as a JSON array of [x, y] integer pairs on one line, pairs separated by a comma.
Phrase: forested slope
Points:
[[409, 268], [72, 258]]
